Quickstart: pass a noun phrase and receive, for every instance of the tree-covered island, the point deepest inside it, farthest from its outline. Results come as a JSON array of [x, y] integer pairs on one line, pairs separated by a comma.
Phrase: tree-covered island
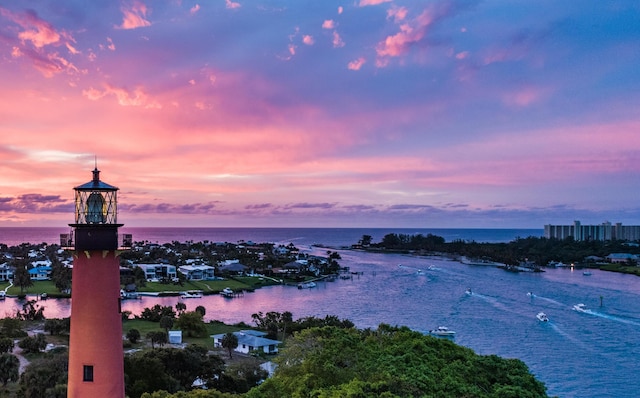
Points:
[[532, 252]]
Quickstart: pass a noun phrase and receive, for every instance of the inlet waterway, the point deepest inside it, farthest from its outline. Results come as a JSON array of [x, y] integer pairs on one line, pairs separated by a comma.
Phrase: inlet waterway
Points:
[[577, 354]]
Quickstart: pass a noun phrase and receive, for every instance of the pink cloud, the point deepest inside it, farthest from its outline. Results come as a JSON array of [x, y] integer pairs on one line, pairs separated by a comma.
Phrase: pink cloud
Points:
[[135, 16], [194, 10], [357, 64], [232, 5], [39, 32], [364, 3], [337, 40], [308, 40], [328, 24], [525, 96], [397, 13], [125, 98]]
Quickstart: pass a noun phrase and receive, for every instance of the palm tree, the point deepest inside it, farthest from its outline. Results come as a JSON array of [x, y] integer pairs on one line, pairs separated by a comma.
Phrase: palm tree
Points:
[[230, 342]]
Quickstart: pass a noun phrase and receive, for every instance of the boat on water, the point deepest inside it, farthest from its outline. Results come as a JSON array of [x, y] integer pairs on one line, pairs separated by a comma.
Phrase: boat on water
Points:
[[442, 331], [586, 273], [306, 285], [227, 292], [542, 317], [124, 295], [468, 292], [3, 294], [529, 294], [191, 294], [580, 307]]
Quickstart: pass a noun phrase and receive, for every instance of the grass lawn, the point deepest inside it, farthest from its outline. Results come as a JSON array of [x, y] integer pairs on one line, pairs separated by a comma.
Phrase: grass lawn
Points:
[[246, 283], [145, 327], [38, 287]]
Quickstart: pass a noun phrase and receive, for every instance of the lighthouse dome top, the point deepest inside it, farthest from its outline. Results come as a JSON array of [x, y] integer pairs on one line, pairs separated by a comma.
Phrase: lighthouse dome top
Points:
[[95, 184]]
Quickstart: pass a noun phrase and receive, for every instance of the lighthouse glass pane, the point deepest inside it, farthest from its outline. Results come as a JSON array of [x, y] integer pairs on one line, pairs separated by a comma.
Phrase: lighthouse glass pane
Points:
[[96, 208], [87, 373]]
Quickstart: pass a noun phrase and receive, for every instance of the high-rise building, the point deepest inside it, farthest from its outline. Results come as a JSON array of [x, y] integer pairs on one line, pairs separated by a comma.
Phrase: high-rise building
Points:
[[96, 361], [603, 232]]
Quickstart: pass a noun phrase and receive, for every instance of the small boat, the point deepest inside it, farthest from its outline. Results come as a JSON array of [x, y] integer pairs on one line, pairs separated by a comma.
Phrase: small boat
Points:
[[191, 294], [442, 331], [227, 292], [580, 307], [468, 292], [44, 296], [542, 317], [3, 294], [306, 285], [124, 295], [586, 273]]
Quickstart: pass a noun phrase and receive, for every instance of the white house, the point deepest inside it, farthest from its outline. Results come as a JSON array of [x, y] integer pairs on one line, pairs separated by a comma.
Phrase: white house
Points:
[[40, 273], [158, 271], [6, 272], [198, 272], [250, 340], [621, 257]]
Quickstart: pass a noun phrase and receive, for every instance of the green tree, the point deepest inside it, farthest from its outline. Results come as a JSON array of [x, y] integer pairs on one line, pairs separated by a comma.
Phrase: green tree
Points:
[[166, 323], [157, 337], [21, 277], [6, 344], [57, 326], [33, 344], [180, 307], [45, 376], [11, 327], [393, 362], [230, 342], [60, 275], [191, 323], [9, 368], [133, 335], [201, 310]]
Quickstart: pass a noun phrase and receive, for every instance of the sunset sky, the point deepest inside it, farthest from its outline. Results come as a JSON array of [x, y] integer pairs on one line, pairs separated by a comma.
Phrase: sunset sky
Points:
[[358, 113]]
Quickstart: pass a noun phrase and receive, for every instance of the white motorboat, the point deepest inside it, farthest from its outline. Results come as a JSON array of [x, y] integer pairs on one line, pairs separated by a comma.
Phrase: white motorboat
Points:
[[227, 292], [468, 292], [3, 294], [442, 331], [542, 317], [580, 307], [191, 294], [306, 285], [586, 273]]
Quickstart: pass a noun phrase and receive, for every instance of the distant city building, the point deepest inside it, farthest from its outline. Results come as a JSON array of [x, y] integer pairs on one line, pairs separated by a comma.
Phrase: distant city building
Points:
[[604, 231]]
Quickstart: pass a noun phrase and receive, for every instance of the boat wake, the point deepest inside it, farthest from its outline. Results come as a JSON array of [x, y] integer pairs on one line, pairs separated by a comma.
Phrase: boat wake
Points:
[[536, 297], [609, 317], [571, 338]]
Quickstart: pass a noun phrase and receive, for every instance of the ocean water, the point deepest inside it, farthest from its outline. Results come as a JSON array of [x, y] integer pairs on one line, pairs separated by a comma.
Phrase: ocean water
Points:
[[335, 237], [576, 354]]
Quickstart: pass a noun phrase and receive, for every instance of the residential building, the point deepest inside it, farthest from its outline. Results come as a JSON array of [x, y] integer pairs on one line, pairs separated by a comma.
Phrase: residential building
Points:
[[158, 271], [198, 272], [250, 340], [605, 231]]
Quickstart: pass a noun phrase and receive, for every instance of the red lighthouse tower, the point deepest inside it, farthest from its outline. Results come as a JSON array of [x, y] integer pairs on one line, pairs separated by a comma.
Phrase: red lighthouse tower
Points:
[[96, 367]]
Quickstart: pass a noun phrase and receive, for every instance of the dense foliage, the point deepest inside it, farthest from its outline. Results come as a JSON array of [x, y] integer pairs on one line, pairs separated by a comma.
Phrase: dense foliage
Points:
[[533, 249], [391, 362]]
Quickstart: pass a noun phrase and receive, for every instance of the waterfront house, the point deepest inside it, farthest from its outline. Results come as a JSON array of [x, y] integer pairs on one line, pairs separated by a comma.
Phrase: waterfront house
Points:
[[6, 272], [40, 273], [233, 268], [158, 271], [622, 258], [198, 272], [250, 340]]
